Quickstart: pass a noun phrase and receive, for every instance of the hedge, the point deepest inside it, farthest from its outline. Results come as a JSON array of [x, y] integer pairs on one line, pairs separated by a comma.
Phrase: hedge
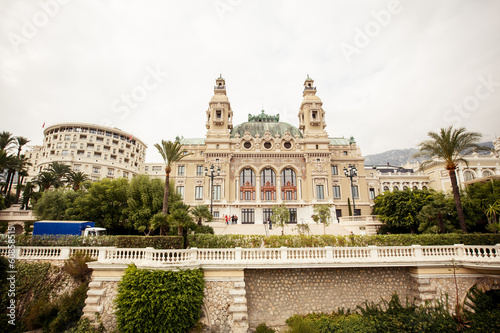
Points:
[[157, 242], [159, 301], [255, 241]]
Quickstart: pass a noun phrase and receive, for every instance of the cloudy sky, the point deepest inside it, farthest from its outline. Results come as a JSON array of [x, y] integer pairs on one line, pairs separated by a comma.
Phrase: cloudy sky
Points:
[[387, 71]]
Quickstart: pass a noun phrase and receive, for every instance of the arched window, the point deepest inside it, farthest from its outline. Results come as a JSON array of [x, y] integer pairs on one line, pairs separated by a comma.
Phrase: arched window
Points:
[[468, 175], [424, 188], [386, 188], [487, 173], [405, 188], [288, 184], [247, 184], [395, 188], [415, 188], [268, 184]]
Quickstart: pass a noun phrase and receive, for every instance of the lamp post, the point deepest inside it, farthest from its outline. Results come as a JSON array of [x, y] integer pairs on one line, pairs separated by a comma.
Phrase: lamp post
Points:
[[351, 172], [212, 171]]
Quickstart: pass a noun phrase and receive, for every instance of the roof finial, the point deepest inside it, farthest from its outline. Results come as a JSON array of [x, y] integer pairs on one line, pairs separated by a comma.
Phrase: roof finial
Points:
[[307, 75]]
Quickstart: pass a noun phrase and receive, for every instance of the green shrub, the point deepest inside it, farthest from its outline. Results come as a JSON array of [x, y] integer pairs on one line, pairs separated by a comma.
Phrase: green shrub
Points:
[[84, 326], [159, 301], [262, 328], [76, 267], [255, 241], [484, 313], [157, 242]]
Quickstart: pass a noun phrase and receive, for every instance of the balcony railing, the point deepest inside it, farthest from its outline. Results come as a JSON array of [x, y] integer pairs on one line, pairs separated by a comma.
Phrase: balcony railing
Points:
[[263, 257]]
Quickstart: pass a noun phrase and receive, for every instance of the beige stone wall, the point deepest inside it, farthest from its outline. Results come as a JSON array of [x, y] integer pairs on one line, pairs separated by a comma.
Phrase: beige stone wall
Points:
[[216, 306], [274, 295], [108, 317]]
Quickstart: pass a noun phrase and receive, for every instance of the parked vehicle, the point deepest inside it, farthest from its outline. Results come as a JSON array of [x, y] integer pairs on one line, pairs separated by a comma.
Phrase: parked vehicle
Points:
[[79, 228]]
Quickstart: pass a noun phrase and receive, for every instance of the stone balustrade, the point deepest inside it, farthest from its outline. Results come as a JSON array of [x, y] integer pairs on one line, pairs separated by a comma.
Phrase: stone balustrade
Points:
[[369, 256]]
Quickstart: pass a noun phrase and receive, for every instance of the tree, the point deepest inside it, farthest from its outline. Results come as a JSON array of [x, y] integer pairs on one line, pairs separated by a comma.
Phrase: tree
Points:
[[61, 172], [179, 217], [201, 212], [104, 203], [76, 179], [438, 215], [53, 205], [399, 209], [6, 141], [45, 180], [323, 214], [145, 197], [171, 152], [448, 146], [22, 162], [280, 217]]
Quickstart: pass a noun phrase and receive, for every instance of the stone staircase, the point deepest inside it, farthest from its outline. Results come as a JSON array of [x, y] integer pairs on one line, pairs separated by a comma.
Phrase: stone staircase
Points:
[[238, 309], [93, 303], [425, 291]]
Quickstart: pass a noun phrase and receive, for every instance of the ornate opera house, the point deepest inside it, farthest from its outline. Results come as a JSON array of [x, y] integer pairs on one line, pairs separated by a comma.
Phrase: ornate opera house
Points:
[[263, 162]]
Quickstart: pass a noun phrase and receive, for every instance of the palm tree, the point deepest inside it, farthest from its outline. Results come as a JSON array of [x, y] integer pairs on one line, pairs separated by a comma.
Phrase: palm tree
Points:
[[448, 146], [171, 153], [60, 171], [180, 217], [21, 167], [6, 140], [76, 178], [47, 179], [201, 212]]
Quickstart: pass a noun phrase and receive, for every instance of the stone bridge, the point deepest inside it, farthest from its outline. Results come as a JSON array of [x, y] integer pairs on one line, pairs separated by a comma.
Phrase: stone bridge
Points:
[[245, 287]]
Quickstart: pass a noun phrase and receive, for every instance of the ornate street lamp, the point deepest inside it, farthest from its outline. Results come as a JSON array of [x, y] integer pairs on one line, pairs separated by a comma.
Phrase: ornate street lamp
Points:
[[351, 172], [212, 171]]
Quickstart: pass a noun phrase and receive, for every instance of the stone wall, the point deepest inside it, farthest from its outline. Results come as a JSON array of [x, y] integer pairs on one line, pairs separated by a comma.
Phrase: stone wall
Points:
[[274, 295], [216, 306]]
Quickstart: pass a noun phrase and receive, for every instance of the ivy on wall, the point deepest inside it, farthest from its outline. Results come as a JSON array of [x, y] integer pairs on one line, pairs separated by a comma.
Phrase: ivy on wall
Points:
[[159, 301]]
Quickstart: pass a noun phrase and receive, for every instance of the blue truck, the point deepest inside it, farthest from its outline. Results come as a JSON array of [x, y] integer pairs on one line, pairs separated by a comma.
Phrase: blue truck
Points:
[[79, 228]]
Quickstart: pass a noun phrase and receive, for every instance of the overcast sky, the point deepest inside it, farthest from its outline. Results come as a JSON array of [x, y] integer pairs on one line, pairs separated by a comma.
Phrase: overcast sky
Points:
[[387, 72]]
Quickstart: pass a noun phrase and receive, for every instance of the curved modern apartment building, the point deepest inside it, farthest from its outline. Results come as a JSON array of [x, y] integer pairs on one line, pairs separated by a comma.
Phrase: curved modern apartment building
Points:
[[99, 151]]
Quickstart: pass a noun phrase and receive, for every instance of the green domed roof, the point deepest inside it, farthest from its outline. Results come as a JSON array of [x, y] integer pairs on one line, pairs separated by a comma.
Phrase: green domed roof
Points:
[[261, 128], [262, 123]]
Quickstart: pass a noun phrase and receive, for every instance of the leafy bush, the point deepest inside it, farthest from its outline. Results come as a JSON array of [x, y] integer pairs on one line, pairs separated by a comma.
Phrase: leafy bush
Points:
[[387, 316], [255, 241], [159, 301], [76, 267], [484, 313], [84, 326], [157, 242], [262, 328]]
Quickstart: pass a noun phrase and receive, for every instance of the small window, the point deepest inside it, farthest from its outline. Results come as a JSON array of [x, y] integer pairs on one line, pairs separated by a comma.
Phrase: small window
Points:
[[345, 152], [180, 190], [198, 193], [355, 192], [218, 114], [216, 214], [156, 168], [199, 170], [146, 168], [319, 192], [267, 145], [336, 191], [217, 192], [372, 193], [287, 145], [181, 170], [317, 147], [247, 145], [335, 170], [315, 115]]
